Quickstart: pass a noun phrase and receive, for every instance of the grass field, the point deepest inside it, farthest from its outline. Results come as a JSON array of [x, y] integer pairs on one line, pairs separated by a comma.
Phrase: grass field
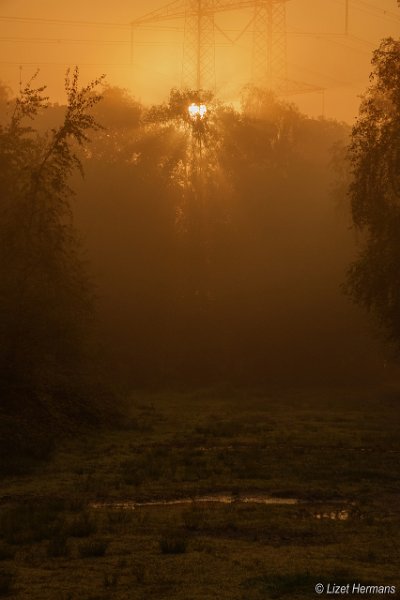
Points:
[[335, 451]]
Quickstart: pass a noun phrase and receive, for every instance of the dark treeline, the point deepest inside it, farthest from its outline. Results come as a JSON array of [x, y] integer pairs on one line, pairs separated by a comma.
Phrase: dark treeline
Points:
[[222, 263], [216, 246], [215, 252], [48, 375]]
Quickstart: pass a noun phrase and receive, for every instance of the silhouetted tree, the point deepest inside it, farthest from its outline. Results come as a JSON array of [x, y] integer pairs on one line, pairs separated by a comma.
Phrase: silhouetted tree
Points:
[[374, 278], [231, 281], [45, 299]]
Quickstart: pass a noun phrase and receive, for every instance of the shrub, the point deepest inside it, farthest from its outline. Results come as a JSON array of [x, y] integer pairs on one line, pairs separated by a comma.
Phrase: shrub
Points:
[[110, 580], [6, 552], [93, 548], [57, 547], [45, 297], [28, 522], [81, 526], [6, 582], [173, 542], [140, 572], [275, 585], [195, 518], [76, 504], [120, 517]]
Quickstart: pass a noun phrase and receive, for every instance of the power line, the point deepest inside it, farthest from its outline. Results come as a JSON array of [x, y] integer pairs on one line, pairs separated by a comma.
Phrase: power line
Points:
[[318, 74], [125, 43], [107, 43], [63, 64], [128, 66], [384, 13], [60, 41], [332, 39], [69, 40], [40, 20], [370, 9], [349, 42], [84, 23], [361, 40]]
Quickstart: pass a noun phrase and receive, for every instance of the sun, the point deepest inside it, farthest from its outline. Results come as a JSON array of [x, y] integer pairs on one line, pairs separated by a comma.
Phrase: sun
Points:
[[197, 110]]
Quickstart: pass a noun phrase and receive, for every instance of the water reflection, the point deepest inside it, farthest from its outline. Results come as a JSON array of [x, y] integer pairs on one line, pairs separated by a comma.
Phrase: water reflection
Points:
[[339, 514], [209, 498], [334, 515]]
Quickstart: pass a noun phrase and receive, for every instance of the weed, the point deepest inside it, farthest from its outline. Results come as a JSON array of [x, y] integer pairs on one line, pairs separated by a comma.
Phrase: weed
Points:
[[278, 585], [194, 518], [120, 517], [241, 550], [122, 563], [173, 542], [140, 572], [6, 552], [76, 504], [57, 547], [110, 580], [6, 582], [148, 466], [27, 523], [82, 526], [93, 548]]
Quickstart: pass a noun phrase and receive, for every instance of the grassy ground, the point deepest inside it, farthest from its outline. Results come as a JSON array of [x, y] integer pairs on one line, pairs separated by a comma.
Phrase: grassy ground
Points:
[[332, 449]]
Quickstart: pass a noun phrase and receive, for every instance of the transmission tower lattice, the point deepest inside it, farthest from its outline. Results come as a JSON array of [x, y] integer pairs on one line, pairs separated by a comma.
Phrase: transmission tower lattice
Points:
[[198, 66], [269, 60]]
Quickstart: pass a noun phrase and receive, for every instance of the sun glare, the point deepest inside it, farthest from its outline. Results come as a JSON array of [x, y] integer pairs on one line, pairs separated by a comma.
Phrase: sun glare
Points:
[[197, 110]]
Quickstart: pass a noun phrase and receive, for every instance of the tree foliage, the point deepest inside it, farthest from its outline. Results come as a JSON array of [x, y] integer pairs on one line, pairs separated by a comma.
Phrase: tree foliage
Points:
[[45, 299], [222, 265], [374, 278]]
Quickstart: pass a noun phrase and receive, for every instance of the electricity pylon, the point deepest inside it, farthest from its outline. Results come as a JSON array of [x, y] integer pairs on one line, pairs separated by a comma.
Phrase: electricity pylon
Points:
[[198, 65], [269, 60]]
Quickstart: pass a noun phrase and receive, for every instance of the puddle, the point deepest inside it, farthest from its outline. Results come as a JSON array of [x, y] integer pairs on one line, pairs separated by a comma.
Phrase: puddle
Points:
[[333, 515], [340, 514], [209, 498]]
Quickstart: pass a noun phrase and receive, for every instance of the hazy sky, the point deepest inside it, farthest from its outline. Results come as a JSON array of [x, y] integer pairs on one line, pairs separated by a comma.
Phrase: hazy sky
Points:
[[318, 52]]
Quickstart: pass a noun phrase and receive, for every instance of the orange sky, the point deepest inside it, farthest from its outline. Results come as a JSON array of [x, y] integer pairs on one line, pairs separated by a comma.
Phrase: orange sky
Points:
[[318, 52]]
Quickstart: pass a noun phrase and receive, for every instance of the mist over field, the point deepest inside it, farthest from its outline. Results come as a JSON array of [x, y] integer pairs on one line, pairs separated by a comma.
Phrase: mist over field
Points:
[[240, 280], [199, 300]]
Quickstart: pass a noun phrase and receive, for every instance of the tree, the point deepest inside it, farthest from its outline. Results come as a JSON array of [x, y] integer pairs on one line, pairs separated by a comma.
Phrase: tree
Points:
[[45, 299], [373, 279]]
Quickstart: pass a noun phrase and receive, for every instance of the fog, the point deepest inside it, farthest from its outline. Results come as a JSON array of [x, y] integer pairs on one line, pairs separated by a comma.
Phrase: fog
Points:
[[326, 62], [199, 308], [227, 266]]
